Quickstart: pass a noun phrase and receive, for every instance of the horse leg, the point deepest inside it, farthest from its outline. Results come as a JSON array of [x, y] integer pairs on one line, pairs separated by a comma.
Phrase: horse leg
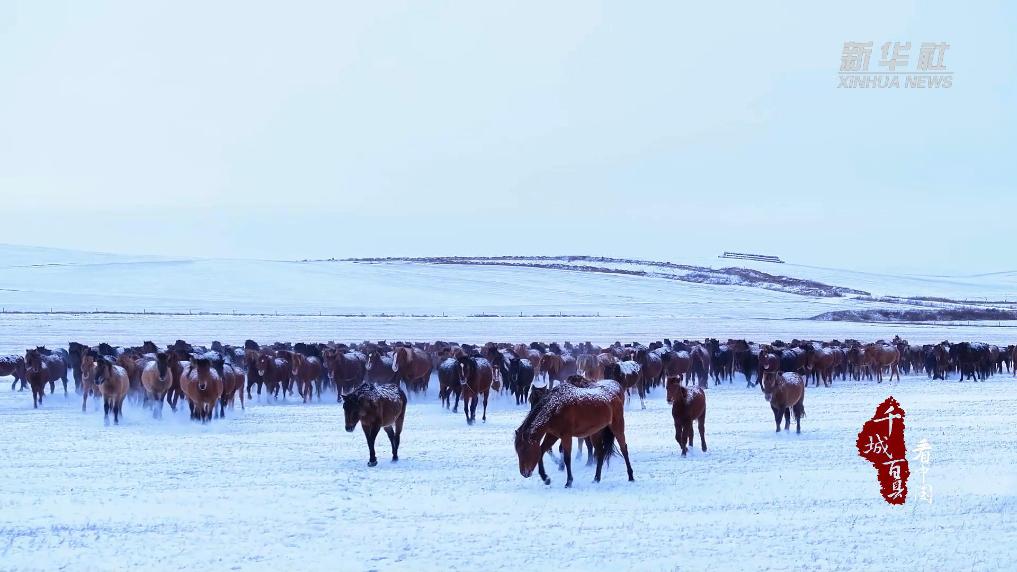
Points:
[[105, 411], [64, 379], [618, 428], [484, 416], [545, 446], [787, 418], [566, 443], [84, 400], [371, 433], [642, 395], [474, 402], [777, 414], [394, 440]]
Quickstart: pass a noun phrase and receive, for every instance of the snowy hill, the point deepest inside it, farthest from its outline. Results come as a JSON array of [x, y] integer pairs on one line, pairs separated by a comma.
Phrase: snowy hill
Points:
[[37, 279]]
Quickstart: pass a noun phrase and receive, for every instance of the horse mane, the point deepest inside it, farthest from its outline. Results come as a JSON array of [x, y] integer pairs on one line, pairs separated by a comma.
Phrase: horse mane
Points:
[[527, 427]]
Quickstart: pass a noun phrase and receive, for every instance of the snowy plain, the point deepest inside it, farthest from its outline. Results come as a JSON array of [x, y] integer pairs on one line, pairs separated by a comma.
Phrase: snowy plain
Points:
[[282, 486]]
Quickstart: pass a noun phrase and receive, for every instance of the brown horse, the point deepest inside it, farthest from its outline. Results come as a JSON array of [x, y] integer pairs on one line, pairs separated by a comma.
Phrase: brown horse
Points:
[[786, 394], [202, 385], [376, 407], [475, 377], [113, 384], [306, 371], [882, 356], [574, 408], [687, 404], [413, 366], [157, 379], [820, 362], [232, 385]]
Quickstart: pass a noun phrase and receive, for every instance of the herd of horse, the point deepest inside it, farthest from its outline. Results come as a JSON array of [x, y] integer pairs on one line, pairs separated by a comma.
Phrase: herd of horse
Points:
[[573, 390]]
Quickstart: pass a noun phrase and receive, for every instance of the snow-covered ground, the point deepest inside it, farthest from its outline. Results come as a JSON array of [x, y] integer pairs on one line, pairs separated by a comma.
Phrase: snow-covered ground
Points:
[[284, 487], [85, 282]]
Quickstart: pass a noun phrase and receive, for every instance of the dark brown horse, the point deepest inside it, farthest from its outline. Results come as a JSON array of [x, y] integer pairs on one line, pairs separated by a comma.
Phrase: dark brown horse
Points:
[[786, 394], [413, 367], [56, 367], [378, 368], [574, 408], [345, 369], [38, 374], [629, 374], [376, 407], [449, 383], [275, 373], [15, 367], [251, 355], [688, 404], [475, 377]]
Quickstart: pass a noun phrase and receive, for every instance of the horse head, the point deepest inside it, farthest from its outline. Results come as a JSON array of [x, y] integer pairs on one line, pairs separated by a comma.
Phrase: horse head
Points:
[[675, 390], [203, 365], [527, 449], [352, 407], [103, 368]]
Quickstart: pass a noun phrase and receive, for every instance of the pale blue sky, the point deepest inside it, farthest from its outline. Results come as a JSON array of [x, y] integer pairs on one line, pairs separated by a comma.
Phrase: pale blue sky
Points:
[[305, 129]]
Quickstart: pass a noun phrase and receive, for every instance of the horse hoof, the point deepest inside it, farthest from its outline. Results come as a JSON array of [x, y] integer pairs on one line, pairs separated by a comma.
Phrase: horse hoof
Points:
[[568, 485], [395, 459], [547, 481], [684, 453], [372, 463]]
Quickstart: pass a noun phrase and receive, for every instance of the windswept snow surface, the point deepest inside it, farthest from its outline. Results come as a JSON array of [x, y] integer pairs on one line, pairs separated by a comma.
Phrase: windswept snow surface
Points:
[[282, 486]]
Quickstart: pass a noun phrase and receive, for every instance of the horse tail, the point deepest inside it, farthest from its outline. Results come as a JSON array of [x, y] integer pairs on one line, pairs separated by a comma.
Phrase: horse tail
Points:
[[607, 441]]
